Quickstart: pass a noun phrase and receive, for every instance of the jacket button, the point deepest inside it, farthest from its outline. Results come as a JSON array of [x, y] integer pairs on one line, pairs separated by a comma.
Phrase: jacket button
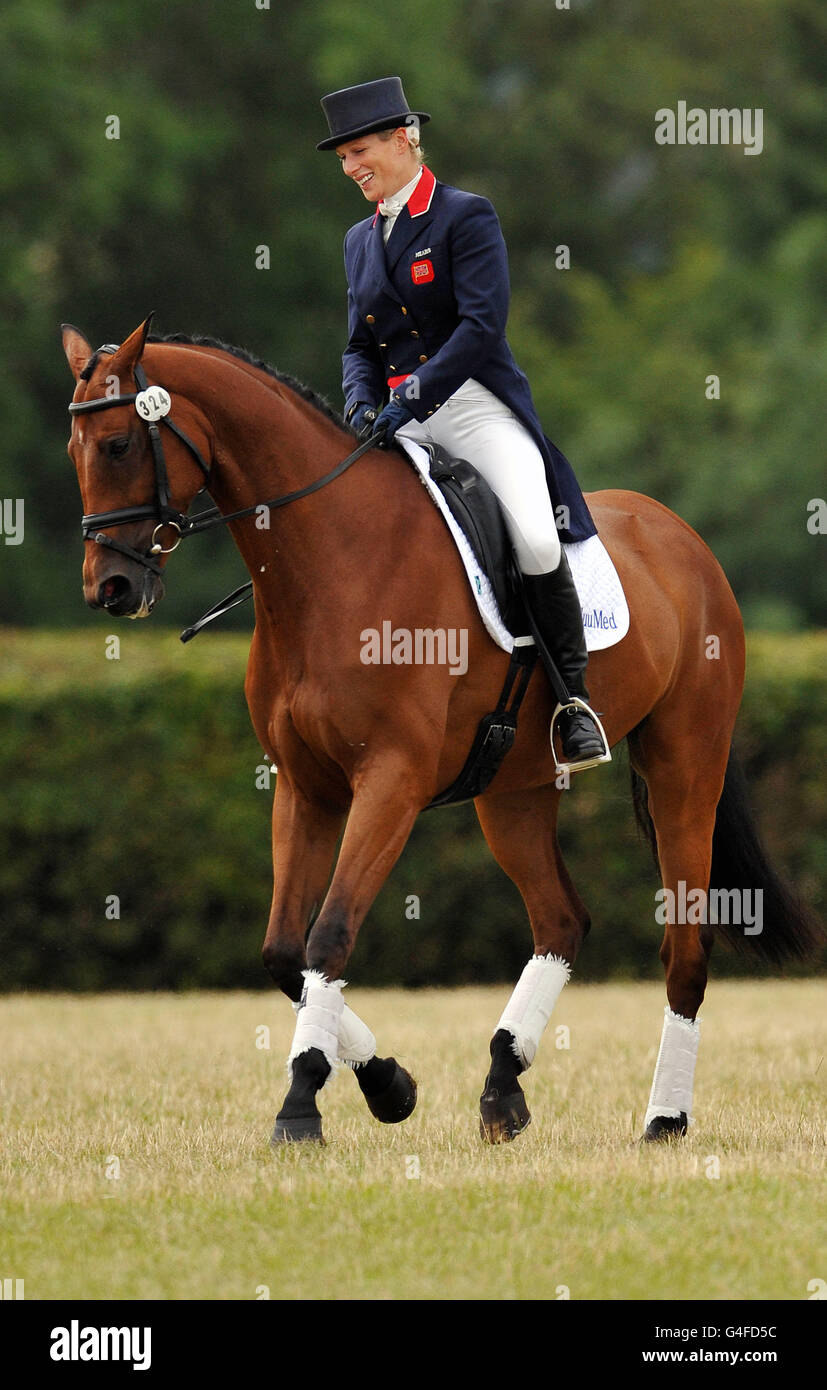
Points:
[[404, 310], [423, 357], [369, 318], [414, 333], [392, 366], [383, 345]]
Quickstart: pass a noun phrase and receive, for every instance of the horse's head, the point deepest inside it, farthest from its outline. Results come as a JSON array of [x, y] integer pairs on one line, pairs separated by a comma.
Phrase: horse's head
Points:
[[134, 503]]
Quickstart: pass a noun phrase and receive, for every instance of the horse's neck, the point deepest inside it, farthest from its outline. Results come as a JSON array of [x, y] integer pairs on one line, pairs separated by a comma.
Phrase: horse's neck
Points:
[[268, 441]]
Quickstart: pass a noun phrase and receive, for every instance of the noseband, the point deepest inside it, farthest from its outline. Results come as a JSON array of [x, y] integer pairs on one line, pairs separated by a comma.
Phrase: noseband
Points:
[[152, 404]]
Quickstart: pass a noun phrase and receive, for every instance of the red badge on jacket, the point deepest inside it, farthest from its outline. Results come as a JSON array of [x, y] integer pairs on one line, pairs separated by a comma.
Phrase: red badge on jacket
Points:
[[422, 271]]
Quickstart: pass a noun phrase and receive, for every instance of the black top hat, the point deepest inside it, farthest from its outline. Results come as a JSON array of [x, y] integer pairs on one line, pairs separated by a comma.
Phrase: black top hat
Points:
[[354, 111]]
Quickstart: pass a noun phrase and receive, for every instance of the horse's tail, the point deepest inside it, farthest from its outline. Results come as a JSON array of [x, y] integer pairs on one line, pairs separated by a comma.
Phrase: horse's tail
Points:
[[789, 931]]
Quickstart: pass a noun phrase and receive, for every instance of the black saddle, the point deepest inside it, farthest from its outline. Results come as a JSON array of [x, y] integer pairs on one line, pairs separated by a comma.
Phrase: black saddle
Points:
[[476, 510]]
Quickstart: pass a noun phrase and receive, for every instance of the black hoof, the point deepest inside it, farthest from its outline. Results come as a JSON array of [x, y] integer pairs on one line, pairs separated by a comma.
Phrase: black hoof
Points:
[[502, 1118], [396, 1101], [665, 1127], [299, 1119], [299, 1129]]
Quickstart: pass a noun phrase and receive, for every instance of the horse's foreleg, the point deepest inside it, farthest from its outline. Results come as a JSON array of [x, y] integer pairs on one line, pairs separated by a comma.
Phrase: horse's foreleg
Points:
[[520, 828], [327, 1032], [304, 842]]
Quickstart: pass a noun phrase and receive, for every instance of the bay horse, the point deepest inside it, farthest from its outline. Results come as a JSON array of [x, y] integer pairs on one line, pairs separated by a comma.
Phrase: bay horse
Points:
[[368, 746]]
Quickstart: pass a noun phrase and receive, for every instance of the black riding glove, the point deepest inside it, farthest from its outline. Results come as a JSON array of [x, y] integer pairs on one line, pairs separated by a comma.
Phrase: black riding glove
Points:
[[392, 418], [362, 419]]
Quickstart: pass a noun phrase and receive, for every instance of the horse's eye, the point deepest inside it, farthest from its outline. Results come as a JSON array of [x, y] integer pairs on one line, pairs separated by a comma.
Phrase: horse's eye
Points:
[[116, 448]]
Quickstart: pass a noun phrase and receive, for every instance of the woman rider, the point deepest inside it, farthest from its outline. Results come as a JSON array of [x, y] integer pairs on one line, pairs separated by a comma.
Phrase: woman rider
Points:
[[427, 357]]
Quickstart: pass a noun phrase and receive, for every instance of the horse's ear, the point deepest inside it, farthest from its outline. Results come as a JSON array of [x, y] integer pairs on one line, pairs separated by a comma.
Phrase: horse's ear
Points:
[[132, 350], [77, 348]]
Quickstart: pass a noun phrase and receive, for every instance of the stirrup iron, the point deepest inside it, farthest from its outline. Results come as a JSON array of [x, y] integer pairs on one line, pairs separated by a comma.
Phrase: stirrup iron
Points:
[[573, 702]]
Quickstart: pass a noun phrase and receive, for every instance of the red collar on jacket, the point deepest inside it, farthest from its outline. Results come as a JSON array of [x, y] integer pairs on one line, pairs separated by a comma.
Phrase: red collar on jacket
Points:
[[420, 199]]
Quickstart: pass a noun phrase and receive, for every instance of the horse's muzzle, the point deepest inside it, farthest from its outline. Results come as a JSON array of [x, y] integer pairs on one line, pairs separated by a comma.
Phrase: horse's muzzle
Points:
[[124, 597]]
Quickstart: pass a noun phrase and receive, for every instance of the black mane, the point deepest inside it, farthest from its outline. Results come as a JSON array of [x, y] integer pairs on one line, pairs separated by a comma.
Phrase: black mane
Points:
[[306, 392]]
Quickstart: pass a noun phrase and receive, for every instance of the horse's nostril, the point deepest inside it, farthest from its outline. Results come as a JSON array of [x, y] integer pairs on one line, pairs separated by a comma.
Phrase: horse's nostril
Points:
[[112, 590]]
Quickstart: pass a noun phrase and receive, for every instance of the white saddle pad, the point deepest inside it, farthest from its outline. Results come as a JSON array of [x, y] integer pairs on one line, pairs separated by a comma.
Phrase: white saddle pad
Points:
[[602, 600]]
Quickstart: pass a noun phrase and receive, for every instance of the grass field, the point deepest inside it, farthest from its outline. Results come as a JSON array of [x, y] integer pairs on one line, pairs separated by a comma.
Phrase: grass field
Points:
[[173, 1092]]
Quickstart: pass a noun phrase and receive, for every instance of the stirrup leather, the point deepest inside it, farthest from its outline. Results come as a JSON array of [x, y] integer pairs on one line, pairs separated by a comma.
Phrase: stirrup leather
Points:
[[574, 701]]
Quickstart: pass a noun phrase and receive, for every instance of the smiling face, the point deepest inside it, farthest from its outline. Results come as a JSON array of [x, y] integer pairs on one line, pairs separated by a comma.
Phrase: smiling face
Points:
[[379, 166]]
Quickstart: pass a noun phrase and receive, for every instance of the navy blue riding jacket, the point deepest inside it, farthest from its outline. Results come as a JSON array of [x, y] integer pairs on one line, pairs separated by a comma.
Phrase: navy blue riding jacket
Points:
[[433, 305]]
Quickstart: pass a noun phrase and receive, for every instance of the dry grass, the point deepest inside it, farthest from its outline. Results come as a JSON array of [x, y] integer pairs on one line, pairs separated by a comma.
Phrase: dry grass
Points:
[[175, 1089]]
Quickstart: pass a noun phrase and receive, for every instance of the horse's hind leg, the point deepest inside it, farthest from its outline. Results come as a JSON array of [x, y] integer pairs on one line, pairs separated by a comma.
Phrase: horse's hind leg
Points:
[[683, 794], [521, 830]]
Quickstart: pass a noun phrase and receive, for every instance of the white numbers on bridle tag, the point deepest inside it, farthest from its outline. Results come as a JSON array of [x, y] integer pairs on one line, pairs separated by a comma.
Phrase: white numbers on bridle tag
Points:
[[152, 403]]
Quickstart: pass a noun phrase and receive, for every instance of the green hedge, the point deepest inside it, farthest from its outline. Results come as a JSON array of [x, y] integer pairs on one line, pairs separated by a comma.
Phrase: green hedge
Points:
[[136, 777]]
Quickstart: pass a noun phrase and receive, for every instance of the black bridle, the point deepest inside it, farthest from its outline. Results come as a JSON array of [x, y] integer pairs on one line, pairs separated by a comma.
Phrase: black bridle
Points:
[[152, 404], [149, 402]]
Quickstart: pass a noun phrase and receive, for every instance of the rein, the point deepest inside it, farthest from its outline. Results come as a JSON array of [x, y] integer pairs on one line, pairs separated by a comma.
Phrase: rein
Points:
[[152, 403]]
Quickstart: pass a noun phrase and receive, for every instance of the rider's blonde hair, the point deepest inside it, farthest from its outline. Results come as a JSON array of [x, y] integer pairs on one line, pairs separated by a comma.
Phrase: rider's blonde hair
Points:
[[412, 132]]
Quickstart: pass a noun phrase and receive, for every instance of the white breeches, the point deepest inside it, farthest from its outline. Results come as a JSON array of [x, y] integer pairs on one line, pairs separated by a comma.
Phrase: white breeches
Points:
[[475, 425]]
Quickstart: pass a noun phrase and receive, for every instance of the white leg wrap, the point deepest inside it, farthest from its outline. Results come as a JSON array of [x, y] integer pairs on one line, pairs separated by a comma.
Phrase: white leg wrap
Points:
[[318, 1018], [356, 1042], [529, 1008], [675, 1068]]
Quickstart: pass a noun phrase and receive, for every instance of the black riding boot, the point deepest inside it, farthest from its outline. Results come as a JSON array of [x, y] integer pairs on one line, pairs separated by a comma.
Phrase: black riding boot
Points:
[[555, 608]]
